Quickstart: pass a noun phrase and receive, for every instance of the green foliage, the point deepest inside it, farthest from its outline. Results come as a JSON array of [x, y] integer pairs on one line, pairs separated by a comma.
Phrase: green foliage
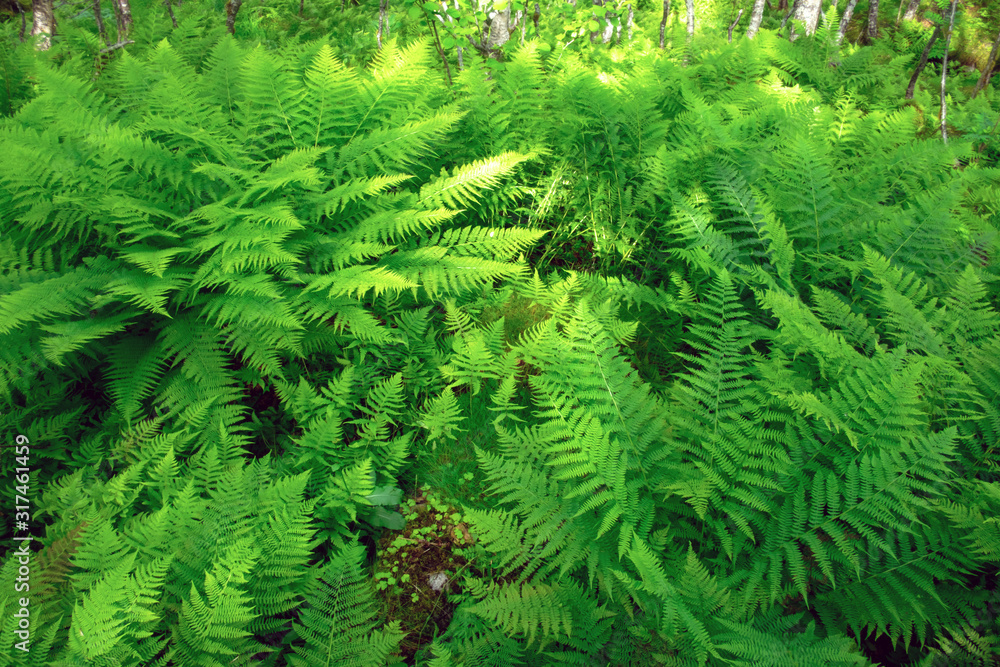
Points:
[[338, 626], [301, 401]]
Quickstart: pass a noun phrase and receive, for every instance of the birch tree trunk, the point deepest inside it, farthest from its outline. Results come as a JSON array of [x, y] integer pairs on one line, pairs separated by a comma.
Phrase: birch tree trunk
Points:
[[944, 71], [845, 19], [690, 17], [123, 17], [499, 31], [806, 11], [991, 63], [44, 23], [872, 31], [911, 10], [383, 20], [608, 30], [922, 64], [663, 21], [756, 15]]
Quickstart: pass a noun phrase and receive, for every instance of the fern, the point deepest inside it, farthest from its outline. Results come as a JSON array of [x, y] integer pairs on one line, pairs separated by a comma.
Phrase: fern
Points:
[[338, 626]]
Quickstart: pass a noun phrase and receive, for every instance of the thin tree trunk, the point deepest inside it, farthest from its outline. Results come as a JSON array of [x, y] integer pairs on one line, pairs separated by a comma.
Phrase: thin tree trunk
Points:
[[871, 33], [534, 17], [911, 10], [844, 20], [20, 35], [690, 18], [383, 17], [170, 12], [663, 21], [991, 63], [123, 17], [458, 49], [944, 71], [232, 9], [43, 23], [756, 15], [437, 39], [631, 21], [302, 7], [922, 64], [899, 12], [788, 15], [100, 21], [782, 5], [733, 25]]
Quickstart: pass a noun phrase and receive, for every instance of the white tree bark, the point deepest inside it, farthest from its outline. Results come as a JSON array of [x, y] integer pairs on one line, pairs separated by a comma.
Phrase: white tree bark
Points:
[[44, 23], [944, 70], [911, 10], [806, 11], [845, 19], [663, 22], [756, 15], [499, 30], [383, 21], [123, 14], [609, 29], [690, 13]]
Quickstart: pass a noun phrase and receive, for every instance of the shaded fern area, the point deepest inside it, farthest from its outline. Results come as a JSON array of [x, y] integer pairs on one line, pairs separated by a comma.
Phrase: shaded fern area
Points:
[[591, 356]]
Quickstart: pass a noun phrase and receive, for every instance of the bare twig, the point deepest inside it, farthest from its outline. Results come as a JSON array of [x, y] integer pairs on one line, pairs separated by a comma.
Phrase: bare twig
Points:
[[437, 39], [733, 25], [663, 21], [115, 47]]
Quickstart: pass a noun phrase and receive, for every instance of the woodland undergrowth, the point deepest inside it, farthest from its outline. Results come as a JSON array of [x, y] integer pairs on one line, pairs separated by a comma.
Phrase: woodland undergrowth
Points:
[[627, 357]]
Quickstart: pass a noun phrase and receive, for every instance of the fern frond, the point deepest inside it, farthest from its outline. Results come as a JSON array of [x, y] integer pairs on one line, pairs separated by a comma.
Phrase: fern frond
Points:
[[523, 608], [463, 186], [213, 624], [338, 624]]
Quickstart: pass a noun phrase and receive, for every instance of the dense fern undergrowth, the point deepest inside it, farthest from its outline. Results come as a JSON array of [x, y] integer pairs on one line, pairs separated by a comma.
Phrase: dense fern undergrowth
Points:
[[711, 347]]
